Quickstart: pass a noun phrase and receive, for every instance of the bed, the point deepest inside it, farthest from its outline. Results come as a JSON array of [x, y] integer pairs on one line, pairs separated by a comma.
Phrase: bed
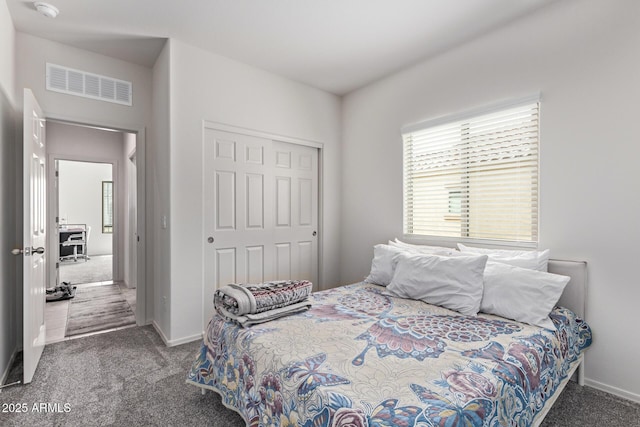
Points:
[[359, 357]]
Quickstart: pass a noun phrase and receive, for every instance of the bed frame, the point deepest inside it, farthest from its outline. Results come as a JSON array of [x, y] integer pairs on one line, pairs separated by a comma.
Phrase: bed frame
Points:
[[574, 298]]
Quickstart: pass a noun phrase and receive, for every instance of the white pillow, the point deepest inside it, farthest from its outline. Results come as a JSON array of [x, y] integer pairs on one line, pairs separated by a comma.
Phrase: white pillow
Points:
[[521, 294], [452, 282], [534, 260], [382, 264], [438, 250]]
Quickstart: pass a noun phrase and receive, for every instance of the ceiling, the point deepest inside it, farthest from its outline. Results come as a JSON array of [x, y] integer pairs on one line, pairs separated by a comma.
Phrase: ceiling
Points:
[[334, 45]]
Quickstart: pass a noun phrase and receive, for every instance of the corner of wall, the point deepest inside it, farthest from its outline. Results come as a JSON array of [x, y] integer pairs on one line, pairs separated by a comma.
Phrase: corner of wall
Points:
[[8, 194], [158, 197]]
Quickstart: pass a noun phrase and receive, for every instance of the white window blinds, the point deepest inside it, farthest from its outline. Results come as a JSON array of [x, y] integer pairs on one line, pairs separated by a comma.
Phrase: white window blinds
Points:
[[475, 178]]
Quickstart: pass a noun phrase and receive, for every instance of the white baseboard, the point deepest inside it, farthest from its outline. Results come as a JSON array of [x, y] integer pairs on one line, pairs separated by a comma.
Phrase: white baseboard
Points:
[[613, 390], [172, 343], [192, 338], [161, 333], [5, 374]]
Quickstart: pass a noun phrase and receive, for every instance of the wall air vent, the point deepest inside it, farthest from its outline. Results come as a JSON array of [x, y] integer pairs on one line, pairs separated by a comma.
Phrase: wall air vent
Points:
[[80, 83]]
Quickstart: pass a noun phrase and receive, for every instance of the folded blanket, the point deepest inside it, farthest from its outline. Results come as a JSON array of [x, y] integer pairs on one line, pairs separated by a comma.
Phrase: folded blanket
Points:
[[240, 300], [265, 316]]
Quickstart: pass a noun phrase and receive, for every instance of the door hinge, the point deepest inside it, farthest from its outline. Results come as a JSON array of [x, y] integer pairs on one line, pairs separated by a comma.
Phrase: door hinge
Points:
[[57, 174], [57, 265], [57, 219]]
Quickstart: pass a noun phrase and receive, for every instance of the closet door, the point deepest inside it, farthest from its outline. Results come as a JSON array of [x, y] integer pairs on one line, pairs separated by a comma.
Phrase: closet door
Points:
[[295, 181], [260, 211]]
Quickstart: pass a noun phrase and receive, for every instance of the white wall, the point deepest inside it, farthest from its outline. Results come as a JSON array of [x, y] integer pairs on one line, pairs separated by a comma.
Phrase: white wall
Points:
[[7, 47], [205, 86], [35, 52], [30, 64], [129, 243], [80, 200], [583, 57], [159, 269], [9, 234]]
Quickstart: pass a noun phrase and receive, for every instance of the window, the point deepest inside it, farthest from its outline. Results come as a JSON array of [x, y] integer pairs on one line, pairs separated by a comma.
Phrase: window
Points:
[[474, 177], [107, 207]]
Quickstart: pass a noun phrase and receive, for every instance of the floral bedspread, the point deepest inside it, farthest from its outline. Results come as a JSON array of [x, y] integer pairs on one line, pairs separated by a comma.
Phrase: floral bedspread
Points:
[[360, 358]]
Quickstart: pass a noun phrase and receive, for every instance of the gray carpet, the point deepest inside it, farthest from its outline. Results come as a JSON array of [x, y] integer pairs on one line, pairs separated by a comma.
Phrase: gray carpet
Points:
[[588, 407], [96, 308], [128, 377], [122, 378], [97, 269]]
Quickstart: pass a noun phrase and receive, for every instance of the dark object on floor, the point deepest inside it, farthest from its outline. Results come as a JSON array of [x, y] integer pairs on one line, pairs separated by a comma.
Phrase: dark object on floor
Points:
[[62, 292]]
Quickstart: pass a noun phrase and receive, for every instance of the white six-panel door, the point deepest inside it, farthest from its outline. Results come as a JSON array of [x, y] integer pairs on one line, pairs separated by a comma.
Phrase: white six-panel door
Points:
[[295, 178], [34, 235], [260, 211]]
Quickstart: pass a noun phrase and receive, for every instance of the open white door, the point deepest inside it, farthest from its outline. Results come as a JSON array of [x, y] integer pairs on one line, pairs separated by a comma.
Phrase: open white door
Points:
[[34, 259]]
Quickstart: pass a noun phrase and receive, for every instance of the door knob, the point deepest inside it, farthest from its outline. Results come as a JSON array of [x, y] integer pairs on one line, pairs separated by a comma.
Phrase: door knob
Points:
[[210, 240], [314, 233], [28, 251]]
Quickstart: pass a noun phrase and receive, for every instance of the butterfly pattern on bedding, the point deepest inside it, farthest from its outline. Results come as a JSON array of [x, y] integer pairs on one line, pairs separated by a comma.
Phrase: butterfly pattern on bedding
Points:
[[307, 372], [423, 336], [431, 366]]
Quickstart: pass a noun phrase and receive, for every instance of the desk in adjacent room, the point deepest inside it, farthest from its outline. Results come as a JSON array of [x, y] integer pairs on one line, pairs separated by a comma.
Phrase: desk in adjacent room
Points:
[[73, 241]]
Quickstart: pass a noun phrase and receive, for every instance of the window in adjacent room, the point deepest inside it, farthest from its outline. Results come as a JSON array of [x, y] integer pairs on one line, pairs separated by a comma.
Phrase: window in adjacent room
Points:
[[474, 176], [107, 207]]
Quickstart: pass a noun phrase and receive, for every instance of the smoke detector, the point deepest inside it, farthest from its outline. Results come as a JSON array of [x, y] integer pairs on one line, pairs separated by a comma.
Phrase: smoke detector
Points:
[[46, 9]]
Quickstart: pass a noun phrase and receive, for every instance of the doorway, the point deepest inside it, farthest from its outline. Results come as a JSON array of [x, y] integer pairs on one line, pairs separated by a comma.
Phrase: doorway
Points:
[[85, 222], [91, 194]]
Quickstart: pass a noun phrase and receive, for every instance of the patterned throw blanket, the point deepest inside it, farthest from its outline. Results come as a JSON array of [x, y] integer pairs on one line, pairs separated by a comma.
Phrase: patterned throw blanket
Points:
[[250, 304], [362, 358]]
